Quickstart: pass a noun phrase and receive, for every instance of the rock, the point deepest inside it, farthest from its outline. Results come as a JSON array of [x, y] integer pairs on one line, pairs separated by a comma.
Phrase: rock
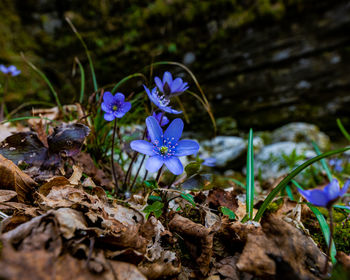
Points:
[[225, 149], [301, 132], [278, 159]]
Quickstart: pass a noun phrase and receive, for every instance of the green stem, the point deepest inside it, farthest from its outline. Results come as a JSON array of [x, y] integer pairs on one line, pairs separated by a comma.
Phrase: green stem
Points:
[[331, 227], [112, 158]]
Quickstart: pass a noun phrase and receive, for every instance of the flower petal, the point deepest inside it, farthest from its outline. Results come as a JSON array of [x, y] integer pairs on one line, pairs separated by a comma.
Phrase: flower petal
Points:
[[174, 130], [344, 188], [332, 190], [108, 97], [177, 83], [169, 110], [315, 197], [119, 97], [126, 106], [154, 130], [159, 83], [142, 147], [151, 96], [154, 163], [167, 78], [174, 165], [186, 147], [106, 108], [119, 114], [109, 117]]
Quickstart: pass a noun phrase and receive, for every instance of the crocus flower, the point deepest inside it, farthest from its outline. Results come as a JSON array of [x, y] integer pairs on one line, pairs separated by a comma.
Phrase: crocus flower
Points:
[[327, 196], [170, 87], [11, 70], [114, 106], [161, 101], [165, 148]]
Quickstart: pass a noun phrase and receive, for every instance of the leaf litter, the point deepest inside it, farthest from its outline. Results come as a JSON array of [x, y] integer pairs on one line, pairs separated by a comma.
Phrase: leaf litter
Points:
[[66, 226]]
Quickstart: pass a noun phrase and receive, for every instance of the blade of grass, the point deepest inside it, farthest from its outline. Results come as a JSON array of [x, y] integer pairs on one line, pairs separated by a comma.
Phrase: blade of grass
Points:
[[289, 193], [239, 183], [92, 69], [323, 162], [290, 176], [82, 80], [325, 229], [27, 118], [343, 130], [250, 177], [29, 103], [43, 76], [122, 81]]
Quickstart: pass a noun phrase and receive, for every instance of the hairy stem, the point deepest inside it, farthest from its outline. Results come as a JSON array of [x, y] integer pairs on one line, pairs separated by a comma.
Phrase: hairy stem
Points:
[[159, 174], [137, 173], [112, 159]]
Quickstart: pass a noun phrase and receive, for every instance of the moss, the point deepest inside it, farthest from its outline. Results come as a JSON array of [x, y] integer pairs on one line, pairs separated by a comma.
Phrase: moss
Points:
[[341, 230], [274, 206]]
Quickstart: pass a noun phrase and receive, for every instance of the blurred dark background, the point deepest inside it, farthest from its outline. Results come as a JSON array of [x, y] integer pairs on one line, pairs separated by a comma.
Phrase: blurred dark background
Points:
[[262, 63]]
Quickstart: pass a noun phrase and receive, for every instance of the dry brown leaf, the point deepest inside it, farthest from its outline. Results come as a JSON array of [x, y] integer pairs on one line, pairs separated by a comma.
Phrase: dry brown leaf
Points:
[[7, 195], [76, 176], [281, 249], [70, 220], [12, 178], [195, 234]]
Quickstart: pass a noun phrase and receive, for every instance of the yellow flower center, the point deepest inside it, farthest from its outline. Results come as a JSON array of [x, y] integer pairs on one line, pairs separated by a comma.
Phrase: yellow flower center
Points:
[[163, 150]]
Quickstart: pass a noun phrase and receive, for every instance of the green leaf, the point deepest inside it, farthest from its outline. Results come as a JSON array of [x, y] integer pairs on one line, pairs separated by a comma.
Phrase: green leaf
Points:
[[153, 198], [291, 175], [239, 183], [151, 184], [82, 81], [323, 162], [188, 198], [192, 168], [122, 81], [156, 208], [325, 229], [343, 130], [228, 212], [289, 193], [250, 177], [343, 207]]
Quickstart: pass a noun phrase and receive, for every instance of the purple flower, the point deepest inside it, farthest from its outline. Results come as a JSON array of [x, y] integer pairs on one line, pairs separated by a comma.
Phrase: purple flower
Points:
[[11, 70], [327, 196], [170, 87], [160, 101], [165, 148], [210, 161], [114, 106]]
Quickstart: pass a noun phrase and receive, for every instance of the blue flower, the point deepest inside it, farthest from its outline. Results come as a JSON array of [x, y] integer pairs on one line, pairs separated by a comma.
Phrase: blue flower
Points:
[[170, 87], [160, 101], [11, 70], [327, 196], [114, 106], [210, 161], [337, 164], [165, 148], [160, 116]]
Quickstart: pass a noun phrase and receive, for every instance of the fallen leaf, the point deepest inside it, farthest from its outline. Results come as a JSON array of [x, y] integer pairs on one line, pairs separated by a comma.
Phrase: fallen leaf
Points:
[[281, 250], [7, 195], [12, 178]]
